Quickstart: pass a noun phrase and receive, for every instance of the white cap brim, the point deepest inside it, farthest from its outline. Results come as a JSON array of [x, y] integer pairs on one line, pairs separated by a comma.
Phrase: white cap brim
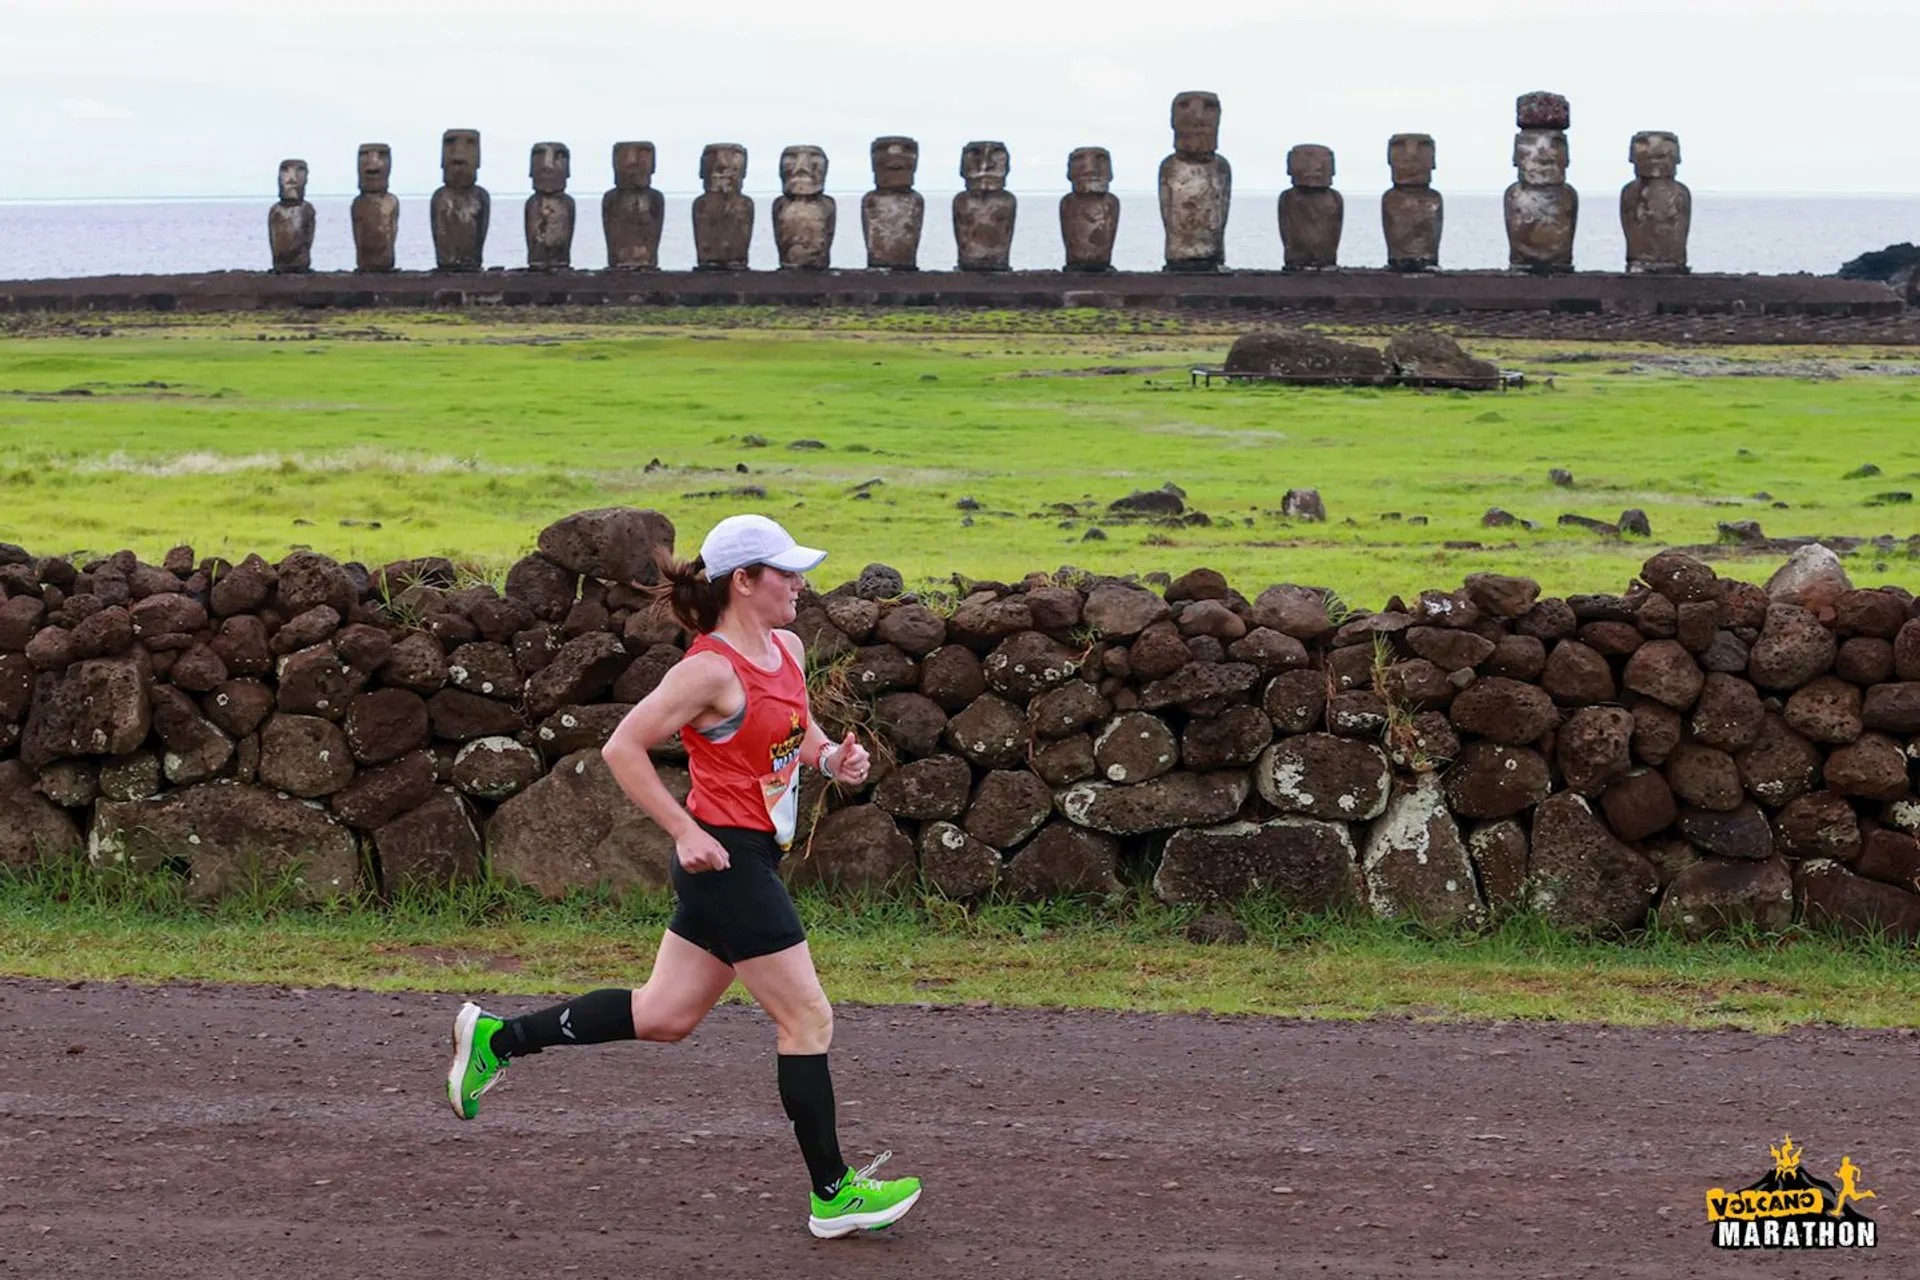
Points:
[[797, 559]]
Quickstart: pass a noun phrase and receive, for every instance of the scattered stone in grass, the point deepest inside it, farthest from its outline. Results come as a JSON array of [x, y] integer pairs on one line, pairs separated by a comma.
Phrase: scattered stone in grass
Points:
[[1600, 527], [1168, 500], [1304, 504]]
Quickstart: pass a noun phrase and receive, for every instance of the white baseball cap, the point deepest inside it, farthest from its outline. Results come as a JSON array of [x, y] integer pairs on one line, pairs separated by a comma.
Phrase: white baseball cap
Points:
[[740, 541]]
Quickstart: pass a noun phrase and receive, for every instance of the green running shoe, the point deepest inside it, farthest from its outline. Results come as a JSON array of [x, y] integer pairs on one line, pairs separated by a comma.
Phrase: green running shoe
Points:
[[474, 1068], [863, 1203]]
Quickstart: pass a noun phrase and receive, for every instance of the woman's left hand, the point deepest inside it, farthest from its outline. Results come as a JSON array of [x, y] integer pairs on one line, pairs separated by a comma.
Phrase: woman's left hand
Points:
[[850, 762]]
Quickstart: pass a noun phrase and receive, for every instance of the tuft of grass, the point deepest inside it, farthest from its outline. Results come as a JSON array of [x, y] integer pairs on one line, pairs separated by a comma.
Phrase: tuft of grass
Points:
[[833, 697], [481, 573], [842, 708], [69, 921], [1400, 736]]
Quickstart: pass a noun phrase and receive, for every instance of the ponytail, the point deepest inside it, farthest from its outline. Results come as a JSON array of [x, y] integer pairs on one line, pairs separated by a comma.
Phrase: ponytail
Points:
[[684, 592]]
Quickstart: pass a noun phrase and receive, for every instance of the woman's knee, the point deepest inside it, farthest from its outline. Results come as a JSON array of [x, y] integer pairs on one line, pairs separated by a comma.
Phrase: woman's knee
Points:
[[666, 1030], [808, 1026], [663, 1021]]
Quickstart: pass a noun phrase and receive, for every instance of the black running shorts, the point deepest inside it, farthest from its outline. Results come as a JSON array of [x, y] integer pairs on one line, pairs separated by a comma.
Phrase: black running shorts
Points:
[[740, 913]]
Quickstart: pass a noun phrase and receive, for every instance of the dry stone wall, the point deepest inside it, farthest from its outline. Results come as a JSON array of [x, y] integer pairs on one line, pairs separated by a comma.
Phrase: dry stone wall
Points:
[[1698, 749]]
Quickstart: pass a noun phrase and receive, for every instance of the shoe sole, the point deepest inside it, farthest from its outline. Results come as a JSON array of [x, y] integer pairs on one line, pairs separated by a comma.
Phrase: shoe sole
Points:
[[463, 1025], [847, 1224]]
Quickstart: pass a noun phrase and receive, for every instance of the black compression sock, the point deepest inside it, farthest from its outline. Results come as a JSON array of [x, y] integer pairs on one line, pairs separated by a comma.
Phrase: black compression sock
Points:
[[594, 1018], [806, 1091]]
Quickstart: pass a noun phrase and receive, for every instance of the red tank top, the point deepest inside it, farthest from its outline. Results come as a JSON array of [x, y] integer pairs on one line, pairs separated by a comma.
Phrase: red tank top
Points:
[[748, 774]]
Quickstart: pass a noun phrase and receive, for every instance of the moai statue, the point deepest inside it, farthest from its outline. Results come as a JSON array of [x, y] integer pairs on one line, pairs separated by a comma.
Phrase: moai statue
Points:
[[1656, 209], [1541, 208], [1196, 187], [550, 208], [892, 213], [290, 221], [461, 207], [1090, 213], [632, 213], [983, 214], [722, 215], [376, 210], [1311, 211], [804, 215], [1411, 211]]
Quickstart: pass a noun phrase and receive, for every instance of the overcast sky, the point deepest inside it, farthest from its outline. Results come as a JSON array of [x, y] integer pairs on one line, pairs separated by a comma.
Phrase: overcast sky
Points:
[[111, 98]]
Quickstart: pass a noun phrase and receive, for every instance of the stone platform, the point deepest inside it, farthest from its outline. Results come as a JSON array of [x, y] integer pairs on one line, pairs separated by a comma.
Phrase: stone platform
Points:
[[1355, 293]]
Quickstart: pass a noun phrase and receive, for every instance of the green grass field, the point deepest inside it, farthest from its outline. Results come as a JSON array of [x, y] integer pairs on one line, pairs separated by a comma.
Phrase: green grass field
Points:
[[384, 437], [72, 923], [466, 436]]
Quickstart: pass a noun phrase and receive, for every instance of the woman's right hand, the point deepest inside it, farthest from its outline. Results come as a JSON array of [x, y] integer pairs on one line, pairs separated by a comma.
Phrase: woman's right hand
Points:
[[699, 852]]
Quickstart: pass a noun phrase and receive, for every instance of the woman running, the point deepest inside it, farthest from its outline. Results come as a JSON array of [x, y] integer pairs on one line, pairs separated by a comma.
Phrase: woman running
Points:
[[740, 696]]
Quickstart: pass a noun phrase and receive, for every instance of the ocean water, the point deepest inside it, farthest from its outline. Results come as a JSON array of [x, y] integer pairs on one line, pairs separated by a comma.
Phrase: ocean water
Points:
[[1732, 233]]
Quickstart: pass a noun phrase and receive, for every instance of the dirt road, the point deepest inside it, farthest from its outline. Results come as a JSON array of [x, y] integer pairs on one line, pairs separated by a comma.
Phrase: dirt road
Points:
[[195, 1132]]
